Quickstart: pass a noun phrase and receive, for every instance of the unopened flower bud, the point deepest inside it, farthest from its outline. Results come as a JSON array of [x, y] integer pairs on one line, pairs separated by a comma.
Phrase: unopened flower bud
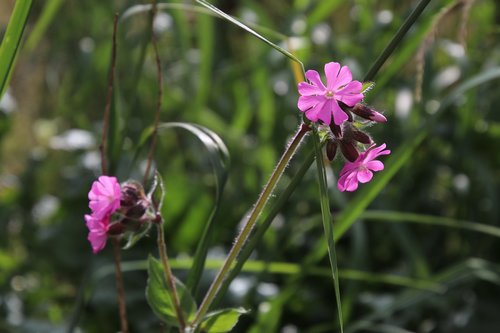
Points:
[[348, 150], [336, 130], [132, 192], [116, 229], [331, 149], [365, 112], [361, 137], [137, 210]]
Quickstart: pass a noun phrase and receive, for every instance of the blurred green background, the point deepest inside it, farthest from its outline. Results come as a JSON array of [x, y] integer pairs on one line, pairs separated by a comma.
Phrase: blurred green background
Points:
[[219, 76]]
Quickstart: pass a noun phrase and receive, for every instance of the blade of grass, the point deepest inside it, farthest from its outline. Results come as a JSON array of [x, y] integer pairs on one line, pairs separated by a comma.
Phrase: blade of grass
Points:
[[218, 156], [396, 40], [470, 270], [366, 194], [11, 41], [286, 268], [49, 12], [328, 223], [250, 30], [401, 217]]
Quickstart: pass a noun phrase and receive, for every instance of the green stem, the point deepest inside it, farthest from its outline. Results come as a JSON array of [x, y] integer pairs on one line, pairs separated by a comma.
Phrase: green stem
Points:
[[396, 40], [169, 277], [247, 228]]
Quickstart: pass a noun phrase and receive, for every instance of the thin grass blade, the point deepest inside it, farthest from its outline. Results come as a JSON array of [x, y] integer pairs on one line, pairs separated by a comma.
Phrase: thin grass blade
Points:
[[218, 156], [249, 30], [11, 41], [328, 223]]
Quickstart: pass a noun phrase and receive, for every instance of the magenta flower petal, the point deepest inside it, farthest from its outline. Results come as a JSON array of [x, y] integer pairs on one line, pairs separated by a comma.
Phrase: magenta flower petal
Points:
[[375, 165], [350, 94], [315, 79], [331, 72], [98, 229], [364, 176], [344, 77], [104, 196], [360, 171], [348, 182], [307, 102], [339, 116], [324, 106], [317, 112]]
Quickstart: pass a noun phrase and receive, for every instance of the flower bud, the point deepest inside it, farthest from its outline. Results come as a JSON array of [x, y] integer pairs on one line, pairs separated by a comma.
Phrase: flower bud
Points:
[[348, 150], [336, 130], [365, 112], [116, 229], [361, 137], [331, 149], [132, 192]]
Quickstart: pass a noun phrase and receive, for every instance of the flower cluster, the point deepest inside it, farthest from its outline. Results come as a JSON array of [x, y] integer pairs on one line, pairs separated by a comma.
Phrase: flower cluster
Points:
[[340, 101], [104, 197], [108, 197]]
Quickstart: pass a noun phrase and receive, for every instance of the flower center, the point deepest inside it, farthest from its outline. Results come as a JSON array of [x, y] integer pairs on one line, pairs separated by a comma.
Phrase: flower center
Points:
[[329, 94]]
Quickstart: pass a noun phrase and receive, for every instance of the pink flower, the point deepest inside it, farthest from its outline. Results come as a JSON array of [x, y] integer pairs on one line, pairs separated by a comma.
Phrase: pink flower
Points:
[[104, 196], [98, 228], [361, 169], [320, 102]]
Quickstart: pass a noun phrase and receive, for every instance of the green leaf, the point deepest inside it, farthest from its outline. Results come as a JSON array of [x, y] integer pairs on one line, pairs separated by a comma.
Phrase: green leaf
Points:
[[159, 298], [11, 41], [367, 86], [328, 223], [218, 156], [222, 320]]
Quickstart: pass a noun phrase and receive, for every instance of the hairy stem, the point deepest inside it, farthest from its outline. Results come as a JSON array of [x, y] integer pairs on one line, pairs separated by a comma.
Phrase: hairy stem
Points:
[[247, 228]]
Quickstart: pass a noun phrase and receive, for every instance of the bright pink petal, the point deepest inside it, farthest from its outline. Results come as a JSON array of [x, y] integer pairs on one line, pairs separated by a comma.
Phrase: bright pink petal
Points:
[[104, 196], [348, 182], [343, 78], [331, 72], [364, 175], [348, 167], [98, 229], [307, 102], [306, 89], [350, 94], [315, 79], [375, 165], [339, 116], [317, 112]]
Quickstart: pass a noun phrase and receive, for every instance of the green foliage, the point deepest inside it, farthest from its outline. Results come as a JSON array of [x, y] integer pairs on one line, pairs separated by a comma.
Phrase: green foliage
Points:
[[11, 42], [221, 321], [159, 298], [433, 267]]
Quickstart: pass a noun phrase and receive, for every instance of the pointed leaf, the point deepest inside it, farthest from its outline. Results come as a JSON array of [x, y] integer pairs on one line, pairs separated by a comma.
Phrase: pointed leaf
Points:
[[222, 320], [159, 298], [9, 48]]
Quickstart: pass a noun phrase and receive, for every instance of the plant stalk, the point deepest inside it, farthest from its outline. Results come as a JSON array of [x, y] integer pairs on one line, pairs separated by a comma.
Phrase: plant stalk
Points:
[[169, 277], [120, 291], [247, 228]]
